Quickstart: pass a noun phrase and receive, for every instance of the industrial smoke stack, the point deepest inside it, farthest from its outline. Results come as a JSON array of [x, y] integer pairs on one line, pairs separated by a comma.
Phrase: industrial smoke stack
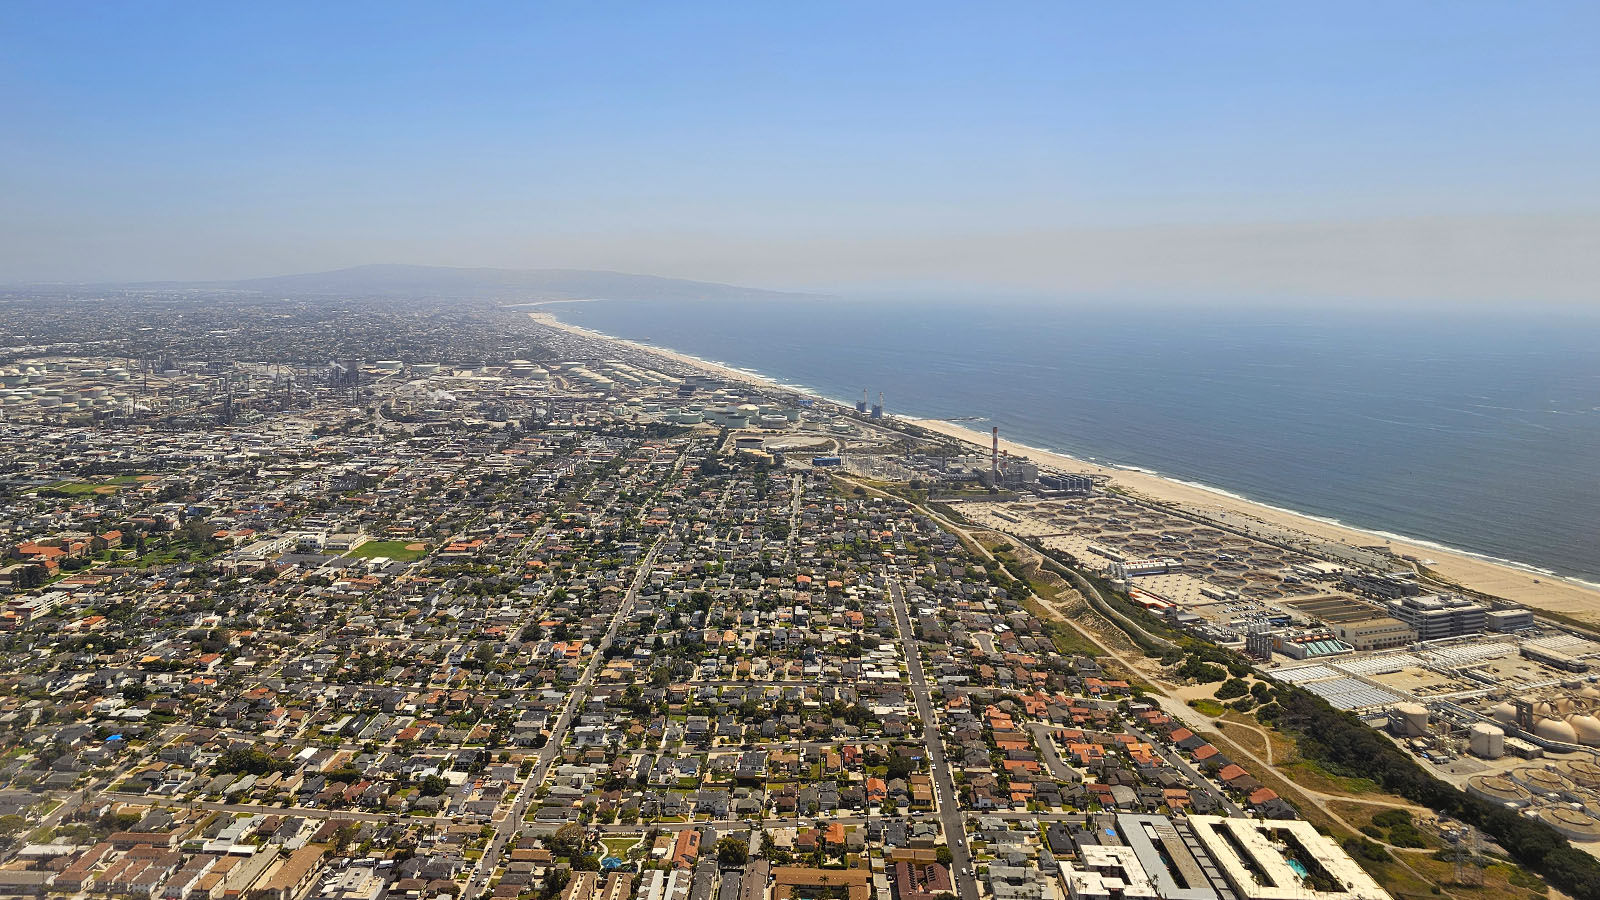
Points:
[[994, 459]]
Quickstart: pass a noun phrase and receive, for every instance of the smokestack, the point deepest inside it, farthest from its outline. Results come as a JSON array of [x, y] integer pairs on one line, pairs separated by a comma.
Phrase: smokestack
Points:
[[994, 460]]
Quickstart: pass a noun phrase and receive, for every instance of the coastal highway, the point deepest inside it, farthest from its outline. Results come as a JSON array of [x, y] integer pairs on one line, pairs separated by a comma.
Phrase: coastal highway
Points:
[[955, 831], [512, 820]]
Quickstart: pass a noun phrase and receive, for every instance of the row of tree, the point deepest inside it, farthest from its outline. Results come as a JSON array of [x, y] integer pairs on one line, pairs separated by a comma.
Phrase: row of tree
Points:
[[1342, 743]]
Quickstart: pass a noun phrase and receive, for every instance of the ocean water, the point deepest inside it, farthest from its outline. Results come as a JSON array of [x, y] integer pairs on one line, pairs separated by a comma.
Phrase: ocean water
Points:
[[1478, 431]]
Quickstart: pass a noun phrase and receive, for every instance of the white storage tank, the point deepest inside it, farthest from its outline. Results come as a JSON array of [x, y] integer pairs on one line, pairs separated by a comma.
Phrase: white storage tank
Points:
[[1486, 741], [1410, 719]]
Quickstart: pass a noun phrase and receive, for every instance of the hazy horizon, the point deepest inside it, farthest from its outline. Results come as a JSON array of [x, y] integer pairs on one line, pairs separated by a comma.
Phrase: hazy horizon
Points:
[[1425, 153]]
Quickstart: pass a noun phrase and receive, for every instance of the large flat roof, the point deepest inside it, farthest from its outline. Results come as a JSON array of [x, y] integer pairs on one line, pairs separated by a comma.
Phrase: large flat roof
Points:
[[1252, 856], [1140, 833]]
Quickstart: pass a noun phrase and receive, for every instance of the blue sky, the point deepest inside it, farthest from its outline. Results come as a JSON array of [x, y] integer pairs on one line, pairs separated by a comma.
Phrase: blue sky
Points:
[[1293, 148]]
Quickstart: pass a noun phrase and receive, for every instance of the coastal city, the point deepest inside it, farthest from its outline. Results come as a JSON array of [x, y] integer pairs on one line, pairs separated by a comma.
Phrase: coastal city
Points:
[[362, 599]]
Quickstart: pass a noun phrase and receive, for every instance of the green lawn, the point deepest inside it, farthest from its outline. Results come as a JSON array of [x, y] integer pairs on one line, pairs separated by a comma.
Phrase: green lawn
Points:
[[619, 846], [396, 550], [71, 488], [84, 488]]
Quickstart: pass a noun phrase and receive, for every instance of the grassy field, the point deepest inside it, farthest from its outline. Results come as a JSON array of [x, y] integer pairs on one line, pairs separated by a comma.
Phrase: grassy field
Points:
[[77, 488], [396, 550], [85, 488]]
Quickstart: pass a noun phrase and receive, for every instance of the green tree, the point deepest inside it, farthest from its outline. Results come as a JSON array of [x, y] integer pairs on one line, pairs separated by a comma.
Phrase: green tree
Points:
[[568, 839], [1233, 687], [732, 852]]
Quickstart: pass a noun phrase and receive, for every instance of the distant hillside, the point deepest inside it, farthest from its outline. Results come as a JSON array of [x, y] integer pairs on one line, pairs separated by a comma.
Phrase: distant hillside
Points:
[[487, 284]]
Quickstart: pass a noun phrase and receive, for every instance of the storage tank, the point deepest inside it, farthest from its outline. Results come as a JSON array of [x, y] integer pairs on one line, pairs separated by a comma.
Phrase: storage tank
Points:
[[1587, 728], [1486, 741], [1410, 719], [1505, 713], [1555, 730]]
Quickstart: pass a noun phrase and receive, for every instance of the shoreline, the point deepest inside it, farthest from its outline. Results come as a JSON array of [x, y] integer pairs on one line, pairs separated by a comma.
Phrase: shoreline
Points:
[[1520, 582]]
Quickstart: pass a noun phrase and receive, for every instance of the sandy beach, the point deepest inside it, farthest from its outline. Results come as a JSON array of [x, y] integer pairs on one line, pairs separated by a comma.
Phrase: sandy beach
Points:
[[1536, 590], [1540, 591]]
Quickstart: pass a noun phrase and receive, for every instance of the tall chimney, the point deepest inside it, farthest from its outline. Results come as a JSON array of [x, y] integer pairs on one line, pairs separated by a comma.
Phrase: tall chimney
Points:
[[994, 460]]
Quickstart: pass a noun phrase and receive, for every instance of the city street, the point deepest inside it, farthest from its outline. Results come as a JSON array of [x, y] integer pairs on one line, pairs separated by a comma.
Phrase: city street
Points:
[[955, 832]]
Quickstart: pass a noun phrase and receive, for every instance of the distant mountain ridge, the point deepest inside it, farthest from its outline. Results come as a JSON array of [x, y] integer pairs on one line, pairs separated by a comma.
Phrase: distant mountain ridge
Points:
[[486, 284]]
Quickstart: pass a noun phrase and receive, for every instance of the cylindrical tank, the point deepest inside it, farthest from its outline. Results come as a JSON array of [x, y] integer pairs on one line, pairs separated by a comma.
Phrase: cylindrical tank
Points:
[[1585, 772], [1486, 741], [1411, 719], [1498, 789]]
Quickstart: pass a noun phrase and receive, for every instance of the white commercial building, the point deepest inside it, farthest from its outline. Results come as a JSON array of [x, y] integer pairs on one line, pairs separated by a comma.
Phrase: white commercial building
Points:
[[1107, 873], [1282, 860]]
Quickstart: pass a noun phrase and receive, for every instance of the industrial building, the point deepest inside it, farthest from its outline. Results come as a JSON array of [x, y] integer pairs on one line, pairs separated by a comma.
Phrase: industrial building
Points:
[[1376, 633], [1389, 587], [1308, 644], [1066, 485], [1436, 616], [1509, 619], [1133, 568], [1355, 622]]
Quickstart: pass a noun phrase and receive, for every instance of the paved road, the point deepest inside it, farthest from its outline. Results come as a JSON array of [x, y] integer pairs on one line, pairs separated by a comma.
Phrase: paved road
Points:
[[1052, 756], [955, 831], [309, 812], [512, 820], [725, 825]]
